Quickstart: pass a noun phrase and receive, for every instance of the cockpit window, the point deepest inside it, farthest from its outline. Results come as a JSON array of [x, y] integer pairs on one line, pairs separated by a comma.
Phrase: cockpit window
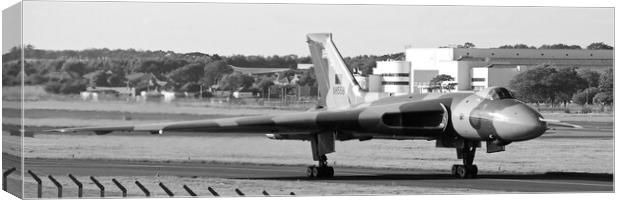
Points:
[[500, 93], [496, 93]]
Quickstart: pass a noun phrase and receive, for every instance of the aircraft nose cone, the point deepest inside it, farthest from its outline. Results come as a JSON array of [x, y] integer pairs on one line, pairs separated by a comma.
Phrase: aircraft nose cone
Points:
[[518, 122]]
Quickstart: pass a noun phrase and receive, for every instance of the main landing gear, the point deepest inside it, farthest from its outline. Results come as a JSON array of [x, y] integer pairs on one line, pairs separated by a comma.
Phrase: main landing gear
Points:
[[467, 169], [321, 171]]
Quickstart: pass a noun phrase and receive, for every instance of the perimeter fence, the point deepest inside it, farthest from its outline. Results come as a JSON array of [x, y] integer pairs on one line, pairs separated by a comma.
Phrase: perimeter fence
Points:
[[79, 186]]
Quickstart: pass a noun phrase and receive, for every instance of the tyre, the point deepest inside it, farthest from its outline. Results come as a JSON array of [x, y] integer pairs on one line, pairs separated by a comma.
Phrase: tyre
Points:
[[473, 171], [310, 172], [329, 172], [316, 172], [462, 172], [454, 167]]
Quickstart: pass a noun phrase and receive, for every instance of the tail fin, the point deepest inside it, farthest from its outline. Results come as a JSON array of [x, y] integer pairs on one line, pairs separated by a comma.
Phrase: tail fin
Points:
[[337, 86]]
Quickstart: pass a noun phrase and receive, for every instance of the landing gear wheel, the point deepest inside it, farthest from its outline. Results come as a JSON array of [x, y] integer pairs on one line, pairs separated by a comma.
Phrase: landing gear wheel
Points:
[[324, 172], [454, 167], [321, 171], [330, 172], [317, 172], [327, 172], [311, 172], [465, 171], [461, 172], [473, 169], [467, 152]]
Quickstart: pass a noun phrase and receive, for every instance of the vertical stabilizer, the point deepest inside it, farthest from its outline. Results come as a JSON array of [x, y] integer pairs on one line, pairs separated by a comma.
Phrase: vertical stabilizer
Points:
[[337, 86]]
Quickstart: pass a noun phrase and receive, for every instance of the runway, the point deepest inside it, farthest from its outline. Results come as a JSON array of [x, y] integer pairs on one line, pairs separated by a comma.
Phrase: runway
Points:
[[492, 181], [500, 182]]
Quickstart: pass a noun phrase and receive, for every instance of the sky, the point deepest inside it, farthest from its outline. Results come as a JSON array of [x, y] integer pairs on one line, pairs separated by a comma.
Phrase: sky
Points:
[[280, 29]]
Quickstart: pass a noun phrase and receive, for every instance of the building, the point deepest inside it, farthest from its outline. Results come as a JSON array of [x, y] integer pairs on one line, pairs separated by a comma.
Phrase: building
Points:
[[474, 68], [395, 76]]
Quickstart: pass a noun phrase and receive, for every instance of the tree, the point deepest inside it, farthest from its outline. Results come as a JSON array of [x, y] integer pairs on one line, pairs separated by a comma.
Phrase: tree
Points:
[[214, 71], [99, 78], [467, 45], [529, 85], [11, 73], [606, 81], [590, 76], [75, 68], [559, 46], [585, 96], [159, 66], [189, 73], [190, 87], [288, 73], [52, 87], [599, 45], [35, 79], [236, 81], [564, 83], [305, 60], [517, 46], [604, 98], [73, 87], [364, 63], [264, 85], [437, 80], [308, 78], [441, 78], [545, 83], [606, 88], [116, 80]]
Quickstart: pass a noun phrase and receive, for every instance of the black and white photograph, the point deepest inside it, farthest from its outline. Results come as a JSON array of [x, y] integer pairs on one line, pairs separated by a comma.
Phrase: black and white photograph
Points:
[[199, 99]]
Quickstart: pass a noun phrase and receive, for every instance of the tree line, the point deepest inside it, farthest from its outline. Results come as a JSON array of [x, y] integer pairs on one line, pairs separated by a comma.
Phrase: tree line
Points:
[[71, 71], [592, 46], [562, 85]]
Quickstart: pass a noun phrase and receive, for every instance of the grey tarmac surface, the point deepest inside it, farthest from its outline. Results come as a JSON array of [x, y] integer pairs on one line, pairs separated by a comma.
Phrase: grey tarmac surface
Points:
[[500, 182]]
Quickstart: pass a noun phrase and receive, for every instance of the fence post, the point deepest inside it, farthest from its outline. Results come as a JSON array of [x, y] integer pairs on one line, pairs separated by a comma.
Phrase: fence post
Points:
[[79, 185], [213, 192], [166, 189], [58, 185], [121, 187], [191, 193], [265, 193], [5, 175], [239, 192], [101, 188], [146, 191], [39, 184]]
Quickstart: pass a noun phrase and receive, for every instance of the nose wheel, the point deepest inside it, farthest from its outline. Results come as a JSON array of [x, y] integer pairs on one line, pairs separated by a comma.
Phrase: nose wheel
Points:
[[467, 169], [321, 171]]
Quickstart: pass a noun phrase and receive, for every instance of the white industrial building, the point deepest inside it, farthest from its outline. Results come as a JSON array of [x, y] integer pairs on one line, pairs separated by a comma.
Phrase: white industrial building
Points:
[[395, 76], [475, 69]]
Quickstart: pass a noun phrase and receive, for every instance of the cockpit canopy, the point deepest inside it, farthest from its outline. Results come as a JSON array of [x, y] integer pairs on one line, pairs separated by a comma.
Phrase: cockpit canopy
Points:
[[495, 93]]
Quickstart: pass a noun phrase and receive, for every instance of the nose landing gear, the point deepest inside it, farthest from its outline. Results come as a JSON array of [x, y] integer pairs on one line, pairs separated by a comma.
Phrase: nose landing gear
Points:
[[321, 171], [467, 169]]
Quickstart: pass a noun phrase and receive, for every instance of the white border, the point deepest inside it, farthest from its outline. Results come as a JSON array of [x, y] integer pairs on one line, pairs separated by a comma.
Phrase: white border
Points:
[[573, 3]]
